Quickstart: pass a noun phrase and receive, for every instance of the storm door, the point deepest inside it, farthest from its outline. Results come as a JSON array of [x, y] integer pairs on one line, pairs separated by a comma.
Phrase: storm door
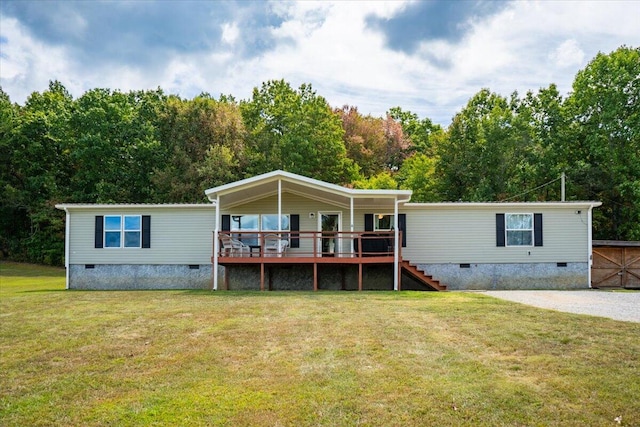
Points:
[[329, 223]]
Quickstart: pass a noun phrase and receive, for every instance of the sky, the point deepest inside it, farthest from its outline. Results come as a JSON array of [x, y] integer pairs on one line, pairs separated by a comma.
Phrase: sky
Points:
[[428, 57]]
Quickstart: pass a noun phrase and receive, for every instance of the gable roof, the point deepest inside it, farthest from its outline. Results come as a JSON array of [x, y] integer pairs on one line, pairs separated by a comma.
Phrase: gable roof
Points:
[[265, 185]]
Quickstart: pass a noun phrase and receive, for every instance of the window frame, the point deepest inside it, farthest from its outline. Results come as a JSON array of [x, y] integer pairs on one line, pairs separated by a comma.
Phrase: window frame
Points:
[[262, 222], [530, 230], [248, 236], [122, 231], [234, 229], [376, 221]]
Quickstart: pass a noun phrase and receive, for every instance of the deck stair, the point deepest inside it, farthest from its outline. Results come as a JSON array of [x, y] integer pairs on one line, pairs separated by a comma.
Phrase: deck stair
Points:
[[412, 270]]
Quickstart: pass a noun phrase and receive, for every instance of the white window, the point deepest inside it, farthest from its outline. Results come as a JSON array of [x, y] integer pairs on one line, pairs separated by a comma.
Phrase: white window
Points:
[[383, 222], [519, 229], [122, 231], [245, 228], [270, 222]]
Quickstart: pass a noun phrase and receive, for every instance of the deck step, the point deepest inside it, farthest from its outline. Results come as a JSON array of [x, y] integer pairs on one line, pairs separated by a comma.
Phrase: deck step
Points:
[[421, 276]]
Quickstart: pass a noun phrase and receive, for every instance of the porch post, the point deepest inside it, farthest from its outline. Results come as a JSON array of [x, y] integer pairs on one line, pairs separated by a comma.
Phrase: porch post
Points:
[[351, 224], [396, 284], [215, 246], [589, 244], [280, 207]]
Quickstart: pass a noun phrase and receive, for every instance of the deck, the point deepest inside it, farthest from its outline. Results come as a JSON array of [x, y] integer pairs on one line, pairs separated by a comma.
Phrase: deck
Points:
[[311, 248]]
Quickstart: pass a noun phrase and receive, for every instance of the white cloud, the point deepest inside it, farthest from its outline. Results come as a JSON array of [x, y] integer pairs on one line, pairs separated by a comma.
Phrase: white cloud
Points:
[[525, 46], [27, 65], [230, 32], [567, 54]]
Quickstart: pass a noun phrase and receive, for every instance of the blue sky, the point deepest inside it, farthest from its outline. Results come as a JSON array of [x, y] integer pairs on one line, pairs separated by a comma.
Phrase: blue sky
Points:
[[428, 57]]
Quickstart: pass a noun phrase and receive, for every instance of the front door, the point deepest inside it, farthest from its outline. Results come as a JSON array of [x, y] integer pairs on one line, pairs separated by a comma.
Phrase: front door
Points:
[[329, 223]]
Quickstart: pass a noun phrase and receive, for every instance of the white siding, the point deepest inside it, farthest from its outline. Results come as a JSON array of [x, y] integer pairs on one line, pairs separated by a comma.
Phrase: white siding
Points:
[[465, 234], [179, 235]]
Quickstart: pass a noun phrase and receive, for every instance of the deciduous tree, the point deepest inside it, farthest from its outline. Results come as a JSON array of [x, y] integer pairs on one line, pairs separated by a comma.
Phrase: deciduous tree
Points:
[[295, 130]]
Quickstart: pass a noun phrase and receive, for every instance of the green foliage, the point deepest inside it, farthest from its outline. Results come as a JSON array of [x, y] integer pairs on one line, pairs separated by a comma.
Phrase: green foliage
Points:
[[203, 141], [604, 110], [419, 131], [296, 131], [381, 181], [115, 142], [34, 144], [418, 174]]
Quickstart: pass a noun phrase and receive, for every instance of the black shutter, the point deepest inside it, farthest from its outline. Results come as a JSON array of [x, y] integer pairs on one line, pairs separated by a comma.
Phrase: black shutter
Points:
[[146, 231], [368, 222], [226, 222], [99, 229], [294, 225], [537, 229], [402, 226], [500, 229]]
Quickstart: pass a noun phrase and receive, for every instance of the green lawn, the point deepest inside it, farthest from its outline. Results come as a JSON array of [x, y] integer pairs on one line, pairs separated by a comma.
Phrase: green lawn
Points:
[[297, 358]]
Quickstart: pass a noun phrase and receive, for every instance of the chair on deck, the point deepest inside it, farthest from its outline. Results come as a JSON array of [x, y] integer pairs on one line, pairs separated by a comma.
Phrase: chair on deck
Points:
[[274, 245], [233, 247]]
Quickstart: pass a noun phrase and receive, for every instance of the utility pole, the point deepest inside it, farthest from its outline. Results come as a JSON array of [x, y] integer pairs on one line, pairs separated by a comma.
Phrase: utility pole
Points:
[[562, 183]]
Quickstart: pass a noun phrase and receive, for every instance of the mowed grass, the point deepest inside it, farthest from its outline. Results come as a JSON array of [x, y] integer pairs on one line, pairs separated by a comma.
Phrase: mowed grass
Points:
[[299, 359]]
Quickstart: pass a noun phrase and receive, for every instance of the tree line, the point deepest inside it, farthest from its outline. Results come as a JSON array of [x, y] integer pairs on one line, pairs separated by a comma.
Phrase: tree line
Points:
[[150, 147]]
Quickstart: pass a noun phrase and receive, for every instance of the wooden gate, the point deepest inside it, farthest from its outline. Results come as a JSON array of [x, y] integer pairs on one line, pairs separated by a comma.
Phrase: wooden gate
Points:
[[615, 264]]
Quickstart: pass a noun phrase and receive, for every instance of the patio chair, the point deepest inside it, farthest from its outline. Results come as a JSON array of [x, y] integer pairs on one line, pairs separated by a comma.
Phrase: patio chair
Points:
[[233, 247], [274, 245]]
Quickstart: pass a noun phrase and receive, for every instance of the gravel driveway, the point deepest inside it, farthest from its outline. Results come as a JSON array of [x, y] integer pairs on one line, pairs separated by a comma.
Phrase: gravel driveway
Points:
[[614, 305]]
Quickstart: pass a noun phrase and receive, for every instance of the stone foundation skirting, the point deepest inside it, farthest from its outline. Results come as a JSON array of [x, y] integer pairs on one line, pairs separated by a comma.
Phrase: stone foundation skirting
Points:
[[330, 277], [132, 276], [570, 275]]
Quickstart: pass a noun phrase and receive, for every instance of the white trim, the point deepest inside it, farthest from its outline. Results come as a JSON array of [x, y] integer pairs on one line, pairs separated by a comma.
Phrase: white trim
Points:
[[589, 246], [395, 246], [279, 209], [216, 249], [122, 231], [132, 206], [391, 224], [67, 245], [532, 230], [351, 226], [503, 205], [278, 219], [310, 182]]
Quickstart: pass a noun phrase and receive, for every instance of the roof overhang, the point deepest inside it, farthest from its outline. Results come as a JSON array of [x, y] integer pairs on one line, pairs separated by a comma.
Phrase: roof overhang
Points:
[[502, 205], [120, 206], [265, 185]]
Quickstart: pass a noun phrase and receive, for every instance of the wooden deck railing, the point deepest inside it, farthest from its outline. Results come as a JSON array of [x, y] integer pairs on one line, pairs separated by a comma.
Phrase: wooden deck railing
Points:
[[306, 244]]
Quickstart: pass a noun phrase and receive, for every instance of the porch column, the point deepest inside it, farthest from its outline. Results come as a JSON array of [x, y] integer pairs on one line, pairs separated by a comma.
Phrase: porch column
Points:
[[215, 245], [280, 208], [396, 281], [351, 223], [589, 244]]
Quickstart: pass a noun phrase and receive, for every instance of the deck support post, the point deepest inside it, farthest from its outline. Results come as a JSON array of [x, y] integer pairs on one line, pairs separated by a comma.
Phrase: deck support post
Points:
[[315, 276], [359, 276], [262, 276]]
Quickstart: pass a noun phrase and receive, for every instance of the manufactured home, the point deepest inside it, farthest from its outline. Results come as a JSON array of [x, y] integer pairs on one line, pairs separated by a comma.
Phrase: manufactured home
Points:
[[282, 231]]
